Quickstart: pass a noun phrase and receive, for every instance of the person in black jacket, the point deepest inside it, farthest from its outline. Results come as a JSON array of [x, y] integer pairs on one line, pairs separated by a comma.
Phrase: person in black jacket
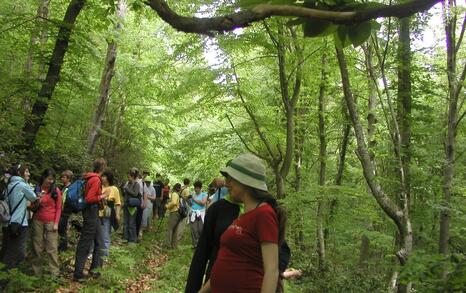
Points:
[[218, 217]]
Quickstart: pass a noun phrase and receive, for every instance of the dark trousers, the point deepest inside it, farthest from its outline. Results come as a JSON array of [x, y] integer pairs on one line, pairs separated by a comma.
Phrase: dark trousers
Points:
[[139, 219], [91, 235], [130, 230], [63, 231], [15, 250]]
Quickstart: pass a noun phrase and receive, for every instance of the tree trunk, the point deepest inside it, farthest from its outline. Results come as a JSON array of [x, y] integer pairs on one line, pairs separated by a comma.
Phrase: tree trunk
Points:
[[372, 103], [404, 101], [343, 149], [289, 101], [39, 32], [454, 89], [399, 216], [107, 75], [39, 109], [105, 82], [323, 164]]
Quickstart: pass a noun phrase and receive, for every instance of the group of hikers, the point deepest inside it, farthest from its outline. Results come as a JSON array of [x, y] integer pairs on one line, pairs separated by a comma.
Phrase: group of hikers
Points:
[[237, 227]]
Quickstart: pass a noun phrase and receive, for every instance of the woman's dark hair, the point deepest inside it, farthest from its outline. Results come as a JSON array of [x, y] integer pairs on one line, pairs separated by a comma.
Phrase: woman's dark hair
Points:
[[110, 177], [18, 169], [198, 184], [264, 196], [133, 172], [45, 174], [99, 165], [177, 187]]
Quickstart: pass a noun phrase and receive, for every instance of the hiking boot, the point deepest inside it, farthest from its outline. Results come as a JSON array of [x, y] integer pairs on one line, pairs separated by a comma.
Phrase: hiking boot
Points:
[[79, 279], [95, 275]]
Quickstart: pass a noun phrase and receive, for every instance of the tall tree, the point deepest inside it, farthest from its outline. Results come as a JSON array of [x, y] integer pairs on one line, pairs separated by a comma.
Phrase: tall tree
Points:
[[105, 81], [39, 109], [404, 100], [322, 162], [399, 215], [455, 85]]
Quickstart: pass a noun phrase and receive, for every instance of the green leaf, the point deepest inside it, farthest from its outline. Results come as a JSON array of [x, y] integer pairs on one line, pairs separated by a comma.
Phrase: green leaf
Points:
[[359, 33], [318, 28], [341, 37]]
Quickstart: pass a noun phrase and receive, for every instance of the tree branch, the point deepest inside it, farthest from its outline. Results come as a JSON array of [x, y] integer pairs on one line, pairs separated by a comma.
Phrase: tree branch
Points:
[[460, 39], [252, 116], [242, 139], [244, 18]]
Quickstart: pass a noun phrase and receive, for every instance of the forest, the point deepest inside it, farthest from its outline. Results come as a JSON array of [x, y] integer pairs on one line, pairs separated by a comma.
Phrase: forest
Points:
[[357, 108]]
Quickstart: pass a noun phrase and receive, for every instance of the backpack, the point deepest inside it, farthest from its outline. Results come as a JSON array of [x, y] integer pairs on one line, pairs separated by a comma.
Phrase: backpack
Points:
[[75, 194], [183, 208], [5, 214]]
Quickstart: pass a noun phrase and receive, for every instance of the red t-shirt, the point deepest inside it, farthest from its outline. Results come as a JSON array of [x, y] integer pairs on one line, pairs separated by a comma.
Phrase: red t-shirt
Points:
[[239, 266], [50, 209]]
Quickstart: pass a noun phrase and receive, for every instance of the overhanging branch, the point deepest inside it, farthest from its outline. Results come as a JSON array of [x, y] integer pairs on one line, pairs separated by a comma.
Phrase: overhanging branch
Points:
[[244, 18]]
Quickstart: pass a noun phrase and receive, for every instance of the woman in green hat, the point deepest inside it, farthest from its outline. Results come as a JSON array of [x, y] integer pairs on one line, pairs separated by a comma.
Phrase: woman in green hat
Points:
[[248, 258]]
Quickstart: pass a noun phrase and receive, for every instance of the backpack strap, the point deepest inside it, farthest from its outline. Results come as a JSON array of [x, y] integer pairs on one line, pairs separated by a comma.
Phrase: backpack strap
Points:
[[218, 193]]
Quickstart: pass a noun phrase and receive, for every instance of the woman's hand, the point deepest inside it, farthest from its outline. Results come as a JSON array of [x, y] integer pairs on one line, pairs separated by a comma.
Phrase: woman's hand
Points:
[[292, 274], [205, 288], [55, 227]]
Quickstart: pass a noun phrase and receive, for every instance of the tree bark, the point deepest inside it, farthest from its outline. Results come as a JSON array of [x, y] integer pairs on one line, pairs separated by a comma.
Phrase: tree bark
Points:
[[39, 109], [105, 82], [404, 101], [104, 88], [245, 18], [343, 149], [323, 164]]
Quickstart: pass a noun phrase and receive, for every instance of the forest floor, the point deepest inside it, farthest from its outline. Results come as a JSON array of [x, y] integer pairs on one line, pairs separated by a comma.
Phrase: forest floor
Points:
[[144, 267]]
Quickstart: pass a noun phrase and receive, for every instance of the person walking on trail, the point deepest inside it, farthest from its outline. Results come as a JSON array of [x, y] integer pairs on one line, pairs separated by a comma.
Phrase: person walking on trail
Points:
[[158, 208], [174, 217], [248, 258], [141, 208], [66, 179], [198, 208], [91, 232], [45, 224], [110, 214], [18, 193], [132, 194], [185, 193], [149, 195], [165, 195]]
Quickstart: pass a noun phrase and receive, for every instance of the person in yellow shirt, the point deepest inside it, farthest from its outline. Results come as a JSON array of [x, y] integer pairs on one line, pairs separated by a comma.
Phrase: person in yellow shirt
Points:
[[110, 214], [185, 193], [174, 217]]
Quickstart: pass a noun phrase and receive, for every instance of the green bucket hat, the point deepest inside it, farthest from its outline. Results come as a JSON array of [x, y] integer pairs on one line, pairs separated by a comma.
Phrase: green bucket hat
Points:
[[247, 169]]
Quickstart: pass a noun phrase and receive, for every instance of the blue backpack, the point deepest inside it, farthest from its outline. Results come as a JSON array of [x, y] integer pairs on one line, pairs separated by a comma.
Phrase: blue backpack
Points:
[[74, 200]]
